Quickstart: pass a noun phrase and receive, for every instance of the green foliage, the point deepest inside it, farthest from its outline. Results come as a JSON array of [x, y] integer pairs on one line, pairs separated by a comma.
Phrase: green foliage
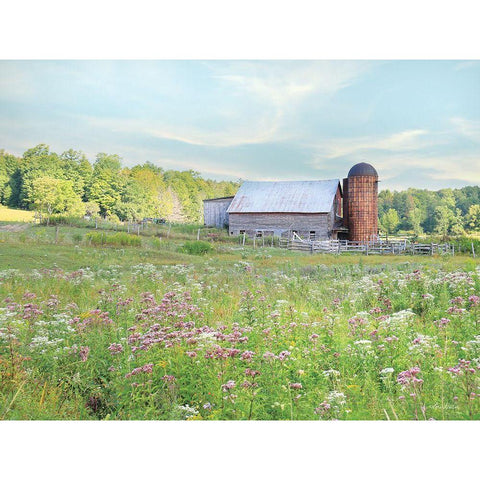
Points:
[[52, 195], [196, 247], [107, 189], [119, 238], [446, 211], [389, 221], [473, 218]]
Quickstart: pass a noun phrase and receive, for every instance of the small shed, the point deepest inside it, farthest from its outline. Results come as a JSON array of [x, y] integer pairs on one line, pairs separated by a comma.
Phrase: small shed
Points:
[[215, 211]]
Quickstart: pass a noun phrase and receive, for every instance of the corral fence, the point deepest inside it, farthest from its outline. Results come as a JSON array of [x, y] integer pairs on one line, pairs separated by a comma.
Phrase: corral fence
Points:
[[367, 248]]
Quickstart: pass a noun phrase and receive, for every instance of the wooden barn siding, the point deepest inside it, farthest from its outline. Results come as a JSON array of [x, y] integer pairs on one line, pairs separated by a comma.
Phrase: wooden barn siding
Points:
[[215, 212], [321, 223]]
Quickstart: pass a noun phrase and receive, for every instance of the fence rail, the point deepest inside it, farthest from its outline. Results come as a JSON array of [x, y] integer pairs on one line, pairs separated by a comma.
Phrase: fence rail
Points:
[[367, 248]]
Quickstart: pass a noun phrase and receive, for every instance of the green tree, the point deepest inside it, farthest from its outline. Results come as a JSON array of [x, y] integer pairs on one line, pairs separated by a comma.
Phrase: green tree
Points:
[[389, 222], [415, 220], [443, 220], [473, 218], [52, 195]]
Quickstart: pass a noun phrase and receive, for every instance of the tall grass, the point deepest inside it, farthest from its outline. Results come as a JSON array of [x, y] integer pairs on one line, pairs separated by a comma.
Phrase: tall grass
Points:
[[119, 238]]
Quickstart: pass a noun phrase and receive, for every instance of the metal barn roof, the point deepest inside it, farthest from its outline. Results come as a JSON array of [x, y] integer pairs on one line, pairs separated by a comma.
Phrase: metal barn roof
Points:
[[285, 197]]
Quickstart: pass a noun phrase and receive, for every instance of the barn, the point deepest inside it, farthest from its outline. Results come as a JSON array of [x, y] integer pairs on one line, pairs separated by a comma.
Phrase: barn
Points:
[[310, 209], [313, 209]]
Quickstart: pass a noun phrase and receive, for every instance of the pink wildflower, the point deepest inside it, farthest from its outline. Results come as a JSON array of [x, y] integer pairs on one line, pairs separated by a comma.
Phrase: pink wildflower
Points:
[[228, 386], [295, 386], [115, 348]]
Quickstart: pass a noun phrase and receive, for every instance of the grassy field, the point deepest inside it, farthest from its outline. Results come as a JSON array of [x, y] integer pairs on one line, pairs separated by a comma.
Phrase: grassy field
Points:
[[13, 215], [109, 331]]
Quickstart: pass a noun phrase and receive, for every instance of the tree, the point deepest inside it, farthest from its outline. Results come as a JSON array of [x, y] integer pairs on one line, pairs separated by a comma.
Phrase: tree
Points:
[[91, 209], [473, 218], [389, 221], [52, 195], [443, 220], [415, 219]]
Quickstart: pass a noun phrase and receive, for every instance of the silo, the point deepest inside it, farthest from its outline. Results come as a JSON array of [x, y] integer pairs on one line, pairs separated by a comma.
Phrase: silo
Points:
[[362, 203]]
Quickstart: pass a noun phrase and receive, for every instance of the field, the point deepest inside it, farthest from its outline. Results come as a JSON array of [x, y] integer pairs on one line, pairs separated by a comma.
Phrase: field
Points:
[[14, 215], [96, 327]]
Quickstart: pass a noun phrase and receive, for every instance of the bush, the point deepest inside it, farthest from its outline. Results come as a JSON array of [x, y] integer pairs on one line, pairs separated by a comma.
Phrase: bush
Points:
[[197, 247], [119, 238], [77, 237]]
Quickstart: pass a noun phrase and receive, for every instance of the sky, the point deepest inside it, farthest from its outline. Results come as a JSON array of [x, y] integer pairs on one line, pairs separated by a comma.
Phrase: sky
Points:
[[417, 122]]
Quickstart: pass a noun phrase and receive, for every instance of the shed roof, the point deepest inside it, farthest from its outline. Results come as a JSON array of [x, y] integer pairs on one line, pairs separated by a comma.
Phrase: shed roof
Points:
[[285, 197], [218, 199]]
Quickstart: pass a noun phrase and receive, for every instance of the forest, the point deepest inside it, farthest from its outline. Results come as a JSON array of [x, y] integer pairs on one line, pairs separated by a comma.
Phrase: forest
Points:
[[69, 184]]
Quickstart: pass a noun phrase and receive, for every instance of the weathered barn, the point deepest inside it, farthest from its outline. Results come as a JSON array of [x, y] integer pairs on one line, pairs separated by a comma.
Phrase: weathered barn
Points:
[[215, 211], [314, 210]]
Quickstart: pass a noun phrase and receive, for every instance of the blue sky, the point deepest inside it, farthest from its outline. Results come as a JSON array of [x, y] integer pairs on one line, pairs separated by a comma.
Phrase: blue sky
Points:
[[417, 122]]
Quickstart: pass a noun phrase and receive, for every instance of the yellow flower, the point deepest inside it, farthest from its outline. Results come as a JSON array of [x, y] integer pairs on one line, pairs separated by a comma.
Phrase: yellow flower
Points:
[[162, 364]]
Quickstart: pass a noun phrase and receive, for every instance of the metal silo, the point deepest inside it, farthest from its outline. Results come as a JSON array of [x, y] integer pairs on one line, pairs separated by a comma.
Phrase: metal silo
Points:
[[362, 203]]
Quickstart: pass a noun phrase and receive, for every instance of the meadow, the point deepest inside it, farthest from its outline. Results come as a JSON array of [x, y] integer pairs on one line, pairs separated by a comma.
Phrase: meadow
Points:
[[163, 328]]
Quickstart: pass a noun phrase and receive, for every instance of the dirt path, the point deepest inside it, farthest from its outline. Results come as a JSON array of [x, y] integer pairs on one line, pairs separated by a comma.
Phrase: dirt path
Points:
[[15, 227]]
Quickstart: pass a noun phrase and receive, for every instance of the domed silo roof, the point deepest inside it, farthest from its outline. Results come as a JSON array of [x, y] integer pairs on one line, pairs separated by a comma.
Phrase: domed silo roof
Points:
[[362, 170]]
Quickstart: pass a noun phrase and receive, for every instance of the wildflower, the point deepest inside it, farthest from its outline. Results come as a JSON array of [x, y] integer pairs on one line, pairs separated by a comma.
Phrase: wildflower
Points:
[[283, 355], [247, 355], [474, 299], [409, 377], [191, 354], [228, 386], [442, 323], [323, 409], [169, 379], [295, 386], [148, 368], [115, 348]]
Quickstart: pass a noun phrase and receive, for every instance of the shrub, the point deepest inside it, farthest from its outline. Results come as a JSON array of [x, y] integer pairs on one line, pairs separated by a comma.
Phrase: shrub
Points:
[[197, 247], [119, 238], [77, 237]]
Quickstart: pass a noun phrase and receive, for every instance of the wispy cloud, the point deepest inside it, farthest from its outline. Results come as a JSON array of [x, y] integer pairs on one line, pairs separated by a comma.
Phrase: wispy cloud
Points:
[[467, 128], [397, 142], [466, 64]]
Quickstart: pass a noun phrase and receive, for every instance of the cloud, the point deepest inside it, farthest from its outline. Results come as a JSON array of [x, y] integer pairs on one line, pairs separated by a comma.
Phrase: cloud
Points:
[[467, 128], [401, 141], [466, 64]]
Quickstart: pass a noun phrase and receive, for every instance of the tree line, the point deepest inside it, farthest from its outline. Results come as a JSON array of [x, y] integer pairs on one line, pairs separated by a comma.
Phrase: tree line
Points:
[[444, 212], [69, 184]]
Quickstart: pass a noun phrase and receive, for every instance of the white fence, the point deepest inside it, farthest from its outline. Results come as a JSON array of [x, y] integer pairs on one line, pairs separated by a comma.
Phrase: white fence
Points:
[[367, 248]]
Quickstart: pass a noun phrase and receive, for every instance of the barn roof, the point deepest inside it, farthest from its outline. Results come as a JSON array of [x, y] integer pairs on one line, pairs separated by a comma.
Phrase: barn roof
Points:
[[285, 197]]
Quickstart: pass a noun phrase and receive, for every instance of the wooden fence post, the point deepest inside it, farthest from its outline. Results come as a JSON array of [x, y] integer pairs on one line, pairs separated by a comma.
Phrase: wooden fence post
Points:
[[198, 234], [473, 250]]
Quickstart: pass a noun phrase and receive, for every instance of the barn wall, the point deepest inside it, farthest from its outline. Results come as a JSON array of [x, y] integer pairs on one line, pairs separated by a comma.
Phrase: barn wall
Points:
[[278, 223], [215, 212]]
